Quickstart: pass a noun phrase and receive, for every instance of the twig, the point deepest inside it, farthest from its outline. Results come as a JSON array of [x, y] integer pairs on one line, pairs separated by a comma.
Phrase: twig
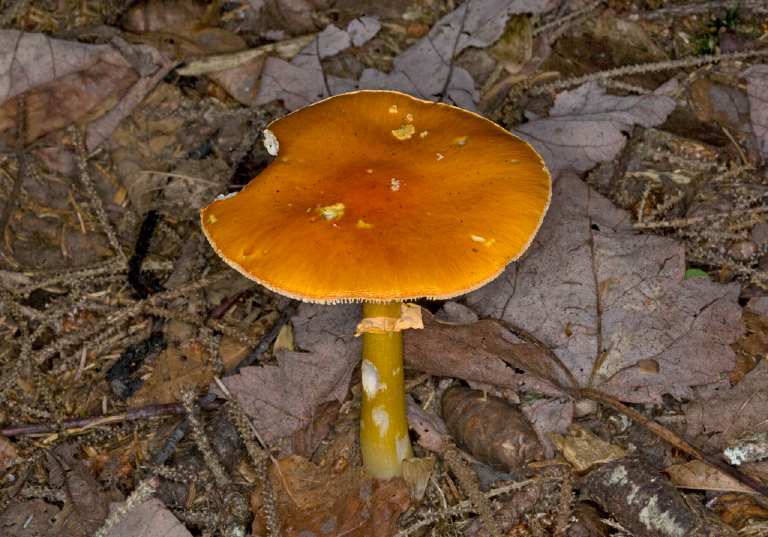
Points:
[[468, 485], [646, 68], [79, 425], [675, 440], [140, 494], [466, 506], [694, 8], [98, 206], [567, 18], [695, 220]]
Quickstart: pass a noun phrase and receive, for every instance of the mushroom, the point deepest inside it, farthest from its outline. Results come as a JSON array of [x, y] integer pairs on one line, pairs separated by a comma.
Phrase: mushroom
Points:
[[378, 197]]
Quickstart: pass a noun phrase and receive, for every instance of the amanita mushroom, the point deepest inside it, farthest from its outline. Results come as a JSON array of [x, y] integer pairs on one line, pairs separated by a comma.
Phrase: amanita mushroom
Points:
[[379, 197]]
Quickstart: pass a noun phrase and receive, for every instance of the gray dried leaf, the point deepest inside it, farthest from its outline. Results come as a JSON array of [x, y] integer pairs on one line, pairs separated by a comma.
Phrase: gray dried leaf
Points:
[[757, 91], [607, 301], [302, 81], [282, 397], [362, 30], [148, 519], [28, 60], [429, 428], [586, 126], [426, 69], [731, 413], [68, 82]]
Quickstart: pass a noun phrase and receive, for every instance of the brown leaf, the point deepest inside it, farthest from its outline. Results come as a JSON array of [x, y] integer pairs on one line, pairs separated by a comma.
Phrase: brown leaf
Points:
[[30, 518], [86, 505], [740, 510], [158, 15], [732, 413], [483, 351], [757, 91], [583, 448], [68, 82], [282, 397], [698, 475], [147, 519], [603, 298], [316, 500], [7, 450]]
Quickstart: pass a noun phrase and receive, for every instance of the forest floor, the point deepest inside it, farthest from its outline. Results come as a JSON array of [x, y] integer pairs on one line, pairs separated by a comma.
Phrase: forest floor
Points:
[[612, 381]]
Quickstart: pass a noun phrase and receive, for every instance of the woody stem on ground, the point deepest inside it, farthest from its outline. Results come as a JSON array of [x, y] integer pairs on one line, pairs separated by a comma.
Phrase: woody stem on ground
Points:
[[384, 438]]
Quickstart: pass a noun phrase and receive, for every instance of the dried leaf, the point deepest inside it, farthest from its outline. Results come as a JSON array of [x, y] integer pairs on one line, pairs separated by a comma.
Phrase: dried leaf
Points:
[[67, 82], [583, 448], [757, 91], [316, 500], [86, 505], [301, 82], [30, 518], [7, 450], [698, 475], [740, 510], [147, 519], [426, 71], [587, 126], [731, 414], [282, 397], [482, 352], [603, 298], [429, 428]]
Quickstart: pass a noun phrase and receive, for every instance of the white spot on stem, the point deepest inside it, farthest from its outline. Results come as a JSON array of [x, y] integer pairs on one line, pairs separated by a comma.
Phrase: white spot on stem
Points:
[[371, 379], [381, 419]]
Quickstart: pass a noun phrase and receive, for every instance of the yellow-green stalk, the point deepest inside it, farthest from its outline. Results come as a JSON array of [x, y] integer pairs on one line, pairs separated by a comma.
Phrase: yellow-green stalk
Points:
[[384, 438]]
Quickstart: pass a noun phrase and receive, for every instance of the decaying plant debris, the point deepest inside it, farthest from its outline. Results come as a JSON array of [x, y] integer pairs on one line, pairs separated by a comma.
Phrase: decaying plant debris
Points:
[[147, 389]]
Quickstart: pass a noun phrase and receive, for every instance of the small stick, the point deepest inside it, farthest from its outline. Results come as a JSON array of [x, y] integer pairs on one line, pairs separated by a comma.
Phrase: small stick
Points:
[[78, 425], [675, 440]]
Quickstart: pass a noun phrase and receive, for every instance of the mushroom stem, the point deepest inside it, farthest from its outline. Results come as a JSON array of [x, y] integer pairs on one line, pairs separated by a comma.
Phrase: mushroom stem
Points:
[[384, 438]]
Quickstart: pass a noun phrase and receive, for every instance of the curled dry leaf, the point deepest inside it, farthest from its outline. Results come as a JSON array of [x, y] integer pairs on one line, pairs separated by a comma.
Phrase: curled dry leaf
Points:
[[646, 504], [583, 448], [489, 428], [498, 357], [603, 298], [698, 475], [740, 510]]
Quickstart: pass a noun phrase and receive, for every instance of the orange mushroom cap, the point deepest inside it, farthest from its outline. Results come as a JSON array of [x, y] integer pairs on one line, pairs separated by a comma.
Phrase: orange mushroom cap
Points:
[[378, 196]]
